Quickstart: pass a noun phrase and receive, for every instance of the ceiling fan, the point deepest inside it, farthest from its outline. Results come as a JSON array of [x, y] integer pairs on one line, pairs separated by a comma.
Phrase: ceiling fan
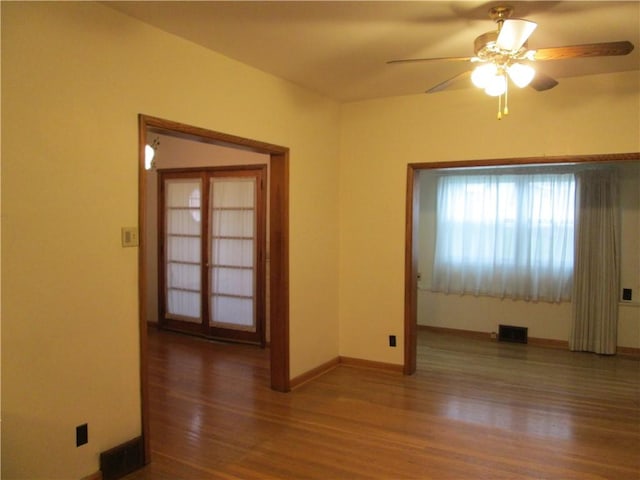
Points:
[[503, 54]]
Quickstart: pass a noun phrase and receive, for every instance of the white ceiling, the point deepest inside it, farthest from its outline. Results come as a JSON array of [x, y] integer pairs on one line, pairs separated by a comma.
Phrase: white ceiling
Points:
[[339, 48]]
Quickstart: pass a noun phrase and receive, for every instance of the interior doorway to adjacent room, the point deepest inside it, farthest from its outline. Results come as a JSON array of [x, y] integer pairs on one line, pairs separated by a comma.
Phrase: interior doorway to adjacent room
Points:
[[238, 151]]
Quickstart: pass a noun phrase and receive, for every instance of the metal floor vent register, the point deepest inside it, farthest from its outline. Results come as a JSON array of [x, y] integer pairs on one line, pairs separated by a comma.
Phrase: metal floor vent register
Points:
[[509, 333], [123, 459]]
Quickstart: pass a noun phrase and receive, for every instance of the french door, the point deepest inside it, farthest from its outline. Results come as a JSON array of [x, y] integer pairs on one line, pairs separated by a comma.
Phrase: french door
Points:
[[212, 252]]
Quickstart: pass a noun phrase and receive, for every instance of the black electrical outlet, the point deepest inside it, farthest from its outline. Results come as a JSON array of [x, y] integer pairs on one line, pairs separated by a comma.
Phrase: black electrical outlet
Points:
[[392, 340], [82, 434], [626, 294]]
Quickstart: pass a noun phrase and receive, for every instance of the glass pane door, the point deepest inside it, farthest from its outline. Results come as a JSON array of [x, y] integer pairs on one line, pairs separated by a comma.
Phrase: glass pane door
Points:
[[211, 254], [183, 245], [232, 254]]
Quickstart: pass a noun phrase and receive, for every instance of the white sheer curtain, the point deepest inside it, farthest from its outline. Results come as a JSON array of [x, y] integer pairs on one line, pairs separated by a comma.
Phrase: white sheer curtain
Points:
[[182, 239], [505, 235], [595, 295], [232, 270]]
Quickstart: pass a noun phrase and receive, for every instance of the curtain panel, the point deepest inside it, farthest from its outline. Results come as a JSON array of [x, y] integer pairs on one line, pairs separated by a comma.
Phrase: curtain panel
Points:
[[505, 235], [595, 293]]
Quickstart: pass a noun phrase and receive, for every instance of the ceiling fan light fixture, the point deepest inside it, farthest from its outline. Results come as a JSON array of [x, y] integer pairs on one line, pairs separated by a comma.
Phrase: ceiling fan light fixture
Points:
[[497, 85], [503, 56], [521, 74], [483, 74]]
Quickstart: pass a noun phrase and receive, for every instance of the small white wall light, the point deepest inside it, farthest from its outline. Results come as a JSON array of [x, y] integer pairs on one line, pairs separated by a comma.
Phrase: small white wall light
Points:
[[150, 153]]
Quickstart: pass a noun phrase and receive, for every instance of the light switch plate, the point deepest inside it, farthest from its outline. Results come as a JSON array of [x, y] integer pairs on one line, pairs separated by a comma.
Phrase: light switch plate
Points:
[[130, 236]]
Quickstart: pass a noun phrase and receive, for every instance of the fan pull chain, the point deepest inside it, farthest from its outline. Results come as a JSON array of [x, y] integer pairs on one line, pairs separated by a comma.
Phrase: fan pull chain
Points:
[[506, 97], [505, 110]]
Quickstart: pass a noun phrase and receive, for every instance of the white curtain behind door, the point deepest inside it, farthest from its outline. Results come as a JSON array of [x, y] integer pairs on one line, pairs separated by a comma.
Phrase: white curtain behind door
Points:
[[233, 245], [183, 239]]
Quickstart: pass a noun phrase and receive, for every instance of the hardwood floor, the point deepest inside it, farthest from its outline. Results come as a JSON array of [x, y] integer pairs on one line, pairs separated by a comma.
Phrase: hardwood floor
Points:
[[475, 410]]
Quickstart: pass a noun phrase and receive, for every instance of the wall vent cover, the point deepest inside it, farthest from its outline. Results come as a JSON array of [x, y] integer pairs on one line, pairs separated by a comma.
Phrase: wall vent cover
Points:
[[509, 333]]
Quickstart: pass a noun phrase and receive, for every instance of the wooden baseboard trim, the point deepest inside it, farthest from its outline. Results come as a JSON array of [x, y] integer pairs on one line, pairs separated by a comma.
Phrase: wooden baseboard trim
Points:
[[458, 332], [630, 351], [314, 373], [360, 363], [342, 361], [549, 343], [538, 342], [93, 476]]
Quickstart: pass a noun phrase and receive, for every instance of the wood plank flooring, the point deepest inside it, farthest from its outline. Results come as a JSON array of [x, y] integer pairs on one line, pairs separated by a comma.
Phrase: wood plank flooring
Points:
[[475, 409]]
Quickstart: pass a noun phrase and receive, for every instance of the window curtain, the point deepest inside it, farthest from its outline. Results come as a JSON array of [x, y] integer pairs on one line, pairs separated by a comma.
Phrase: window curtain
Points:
[[595, 293], [505, 235]]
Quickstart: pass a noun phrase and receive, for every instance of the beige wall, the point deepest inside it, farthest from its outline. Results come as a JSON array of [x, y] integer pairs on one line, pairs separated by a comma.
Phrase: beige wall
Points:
[[74, 78], [544, 320], [629, 313], [590, 115]]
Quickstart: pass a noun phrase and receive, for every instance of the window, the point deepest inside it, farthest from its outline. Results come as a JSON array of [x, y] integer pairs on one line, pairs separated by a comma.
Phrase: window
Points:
[[505, 235]]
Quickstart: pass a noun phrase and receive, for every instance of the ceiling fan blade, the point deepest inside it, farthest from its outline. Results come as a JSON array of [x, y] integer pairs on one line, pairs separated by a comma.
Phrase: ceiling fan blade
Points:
[[585, 50], [542, 82], [415, 60], [514, 33], [447, 83]]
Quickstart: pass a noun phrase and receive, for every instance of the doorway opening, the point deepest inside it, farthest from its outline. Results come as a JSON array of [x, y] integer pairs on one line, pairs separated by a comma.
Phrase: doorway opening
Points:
[[412, 230], [277, 220]]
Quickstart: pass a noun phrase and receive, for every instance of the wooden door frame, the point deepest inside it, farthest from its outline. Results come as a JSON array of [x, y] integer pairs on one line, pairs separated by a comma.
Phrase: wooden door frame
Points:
[[411, 232], [278, 227]]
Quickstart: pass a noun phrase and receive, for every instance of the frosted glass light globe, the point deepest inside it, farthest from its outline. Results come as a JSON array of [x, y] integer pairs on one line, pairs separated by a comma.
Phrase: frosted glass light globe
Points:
[[497, 85], [521, 74], [482, 74]]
